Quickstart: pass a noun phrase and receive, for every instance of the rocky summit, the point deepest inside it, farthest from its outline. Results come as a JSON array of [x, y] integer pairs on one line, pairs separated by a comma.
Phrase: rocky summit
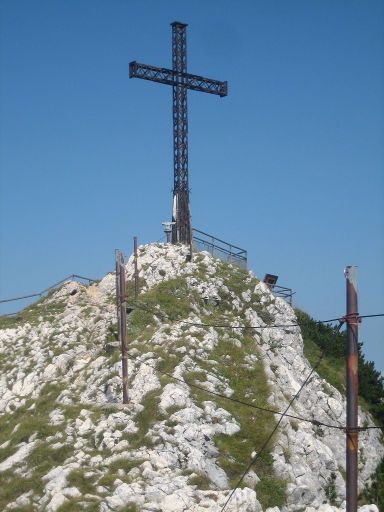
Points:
[[203, 389]]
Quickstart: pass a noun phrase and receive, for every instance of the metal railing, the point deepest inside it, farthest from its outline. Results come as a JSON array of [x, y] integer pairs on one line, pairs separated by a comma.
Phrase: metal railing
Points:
[[218, 248], [72, 277], [283, 292]]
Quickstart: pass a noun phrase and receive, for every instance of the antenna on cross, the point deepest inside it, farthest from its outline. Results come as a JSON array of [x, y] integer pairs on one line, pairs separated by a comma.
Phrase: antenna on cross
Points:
[[180, 81]]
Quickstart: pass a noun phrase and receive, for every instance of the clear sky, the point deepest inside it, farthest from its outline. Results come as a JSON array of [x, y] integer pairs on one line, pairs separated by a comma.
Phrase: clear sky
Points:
[[288, 166]]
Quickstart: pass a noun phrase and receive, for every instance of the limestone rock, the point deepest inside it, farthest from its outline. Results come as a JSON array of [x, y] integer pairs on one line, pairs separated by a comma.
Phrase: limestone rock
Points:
[[161, 451]]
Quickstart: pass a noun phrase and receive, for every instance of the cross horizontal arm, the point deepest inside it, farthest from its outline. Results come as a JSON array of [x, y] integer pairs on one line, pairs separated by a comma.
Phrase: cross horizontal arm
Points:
[[170, 77]]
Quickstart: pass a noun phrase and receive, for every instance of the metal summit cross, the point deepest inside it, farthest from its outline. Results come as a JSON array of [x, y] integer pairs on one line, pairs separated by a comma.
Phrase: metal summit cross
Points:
[[181, 81]]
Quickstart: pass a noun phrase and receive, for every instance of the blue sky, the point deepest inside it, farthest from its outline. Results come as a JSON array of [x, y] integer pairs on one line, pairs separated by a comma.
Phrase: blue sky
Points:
[[289, 165]]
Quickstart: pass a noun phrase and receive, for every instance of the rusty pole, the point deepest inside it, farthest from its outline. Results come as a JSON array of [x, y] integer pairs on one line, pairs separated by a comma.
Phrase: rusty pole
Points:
[[122, 319], [136, 270], [352, 319]]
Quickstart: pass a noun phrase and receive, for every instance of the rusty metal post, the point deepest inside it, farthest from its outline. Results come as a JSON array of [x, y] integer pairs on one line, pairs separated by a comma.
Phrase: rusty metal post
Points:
[[352, 318], [135, 264], [122, 319]]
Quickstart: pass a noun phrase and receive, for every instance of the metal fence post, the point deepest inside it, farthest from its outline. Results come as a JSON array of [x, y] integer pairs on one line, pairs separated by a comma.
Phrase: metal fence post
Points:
[[352, 318], [122, 319]]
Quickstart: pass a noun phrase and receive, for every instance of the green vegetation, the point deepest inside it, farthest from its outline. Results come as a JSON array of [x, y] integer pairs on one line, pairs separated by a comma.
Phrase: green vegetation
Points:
[[374, 493], [169, 300], [235, 278], [201, 481], [266, 317], [43, 458], [18, 427], [33, 312], [77, 478], [318, 337], [112, 472], [271, 490], [130, 288], [238, 281], [130, 508], [87, 310], [330, 489], [173, 300], [12, 486], [78, 505], [146, 419], [6, 364], [235, 450]]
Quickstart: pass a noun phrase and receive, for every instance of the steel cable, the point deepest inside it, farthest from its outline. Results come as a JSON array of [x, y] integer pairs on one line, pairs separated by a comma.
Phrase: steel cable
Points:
[[265, 444], [247, 404]]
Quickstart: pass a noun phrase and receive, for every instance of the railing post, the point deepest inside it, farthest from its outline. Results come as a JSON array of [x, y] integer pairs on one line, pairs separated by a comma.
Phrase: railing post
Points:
[[122, 319]]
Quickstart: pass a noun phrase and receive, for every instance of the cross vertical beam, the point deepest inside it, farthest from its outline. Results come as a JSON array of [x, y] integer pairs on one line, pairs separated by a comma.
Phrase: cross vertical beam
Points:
[[181, 230], [180, 81]]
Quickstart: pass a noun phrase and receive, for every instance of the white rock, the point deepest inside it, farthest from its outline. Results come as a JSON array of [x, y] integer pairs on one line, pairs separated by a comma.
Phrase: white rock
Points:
[[304, 455], [56, 502], [22, 501], [173, 503], [56, 417], [125, 494], [174, 395], [71, 492], [244, 500], [18, 456]]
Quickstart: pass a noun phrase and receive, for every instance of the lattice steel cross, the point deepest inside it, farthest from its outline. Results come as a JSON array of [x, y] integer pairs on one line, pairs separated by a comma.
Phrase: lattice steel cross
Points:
[[181, 81]]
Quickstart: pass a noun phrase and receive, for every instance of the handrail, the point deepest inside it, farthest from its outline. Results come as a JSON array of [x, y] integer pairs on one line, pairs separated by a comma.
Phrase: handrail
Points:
[[39, 294], [219, 240], [219, 248], [223, 249], [283, 292]]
